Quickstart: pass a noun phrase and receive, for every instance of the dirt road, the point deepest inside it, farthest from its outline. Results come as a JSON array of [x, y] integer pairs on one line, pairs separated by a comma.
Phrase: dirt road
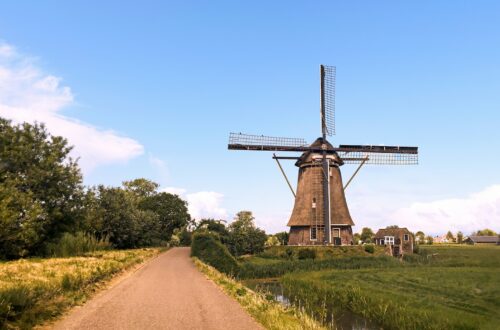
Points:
[[167, 293]]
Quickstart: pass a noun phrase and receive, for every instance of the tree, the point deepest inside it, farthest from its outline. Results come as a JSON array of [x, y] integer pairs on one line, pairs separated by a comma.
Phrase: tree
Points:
[[141, 187], [42, 186], [283, 237], [460, 237], [429, 240], [367, 235], [356, 238], [420, 236], [486, 232], [171, 210], [450, 237], [272, 240], [244, 236], [392, 227]]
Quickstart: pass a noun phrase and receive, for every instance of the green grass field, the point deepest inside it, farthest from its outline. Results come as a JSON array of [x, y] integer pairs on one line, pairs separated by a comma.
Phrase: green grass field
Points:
[[34, 290], [458, 288]]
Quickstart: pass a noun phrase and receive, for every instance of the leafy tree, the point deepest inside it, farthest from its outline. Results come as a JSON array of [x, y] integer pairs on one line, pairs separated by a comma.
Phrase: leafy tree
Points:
[[171, 210], [460, 237], [429, 240], [392, 227], [486, 232], [356, 238], [272, 240], [41, 188], [141, 187], [283, 237], [420, 236], [450, 237], [244, 236], [367, 235]]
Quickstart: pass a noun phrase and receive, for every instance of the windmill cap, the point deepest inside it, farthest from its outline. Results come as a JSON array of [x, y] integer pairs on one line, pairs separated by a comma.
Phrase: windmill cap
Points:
[[307, 157]]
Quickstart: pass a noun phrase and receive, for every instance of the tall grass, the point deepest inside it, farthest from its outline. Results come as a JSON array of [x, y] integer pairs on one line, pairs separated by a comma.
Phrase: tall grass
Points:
[[70, 245], [277, 269], [34, 290]]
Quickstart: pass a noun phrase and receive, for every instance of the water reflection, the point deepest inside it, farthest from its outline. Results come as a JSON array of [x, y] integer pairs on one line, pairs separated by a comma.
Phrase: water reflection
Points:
[[342, 320]]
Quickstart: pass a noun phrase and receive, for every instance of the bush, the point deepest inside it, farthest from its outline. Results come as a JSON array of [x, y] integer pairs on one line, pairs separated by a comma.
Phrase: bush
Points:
[[70, 245], [370, 248], [210, 250], [307, 254]]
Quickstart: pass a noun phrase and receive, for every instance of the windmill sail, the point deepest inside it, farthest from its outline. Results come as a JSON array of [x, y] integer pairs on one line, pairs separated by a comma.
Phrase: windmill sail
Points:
[[240, 141], [378, 155], [327, 99]]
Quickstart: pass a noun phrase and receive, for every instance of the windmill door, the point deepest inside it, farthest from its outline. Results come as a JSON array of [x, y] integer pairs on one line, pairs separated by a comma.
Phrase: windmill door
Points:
[[336, 236]]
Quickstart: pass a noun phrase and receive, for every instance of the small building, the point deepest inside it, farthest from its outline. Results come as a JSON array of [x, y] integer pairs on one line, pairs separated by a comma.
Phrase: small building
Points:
[[482, 240], [399, 241]]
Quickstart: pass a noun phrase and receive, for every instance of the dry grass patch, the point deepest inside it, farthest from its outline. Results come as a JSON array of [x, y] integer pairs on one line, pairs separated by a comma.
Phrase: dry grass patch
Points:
[[35, 290]]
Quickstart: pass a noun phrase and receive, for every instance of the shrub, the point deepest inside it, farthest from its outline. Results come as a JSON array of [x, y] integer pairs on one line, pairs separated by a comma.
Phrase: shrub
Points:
[[70, 245], [210, 250], [307, 254], [370, 248]]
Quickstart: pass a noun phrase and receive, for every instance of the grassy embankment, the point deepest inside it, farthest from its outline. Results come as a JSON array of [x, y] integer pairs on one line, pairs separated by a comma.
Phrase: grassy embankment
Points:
[[269, 313], [35, 290], [449, 287]]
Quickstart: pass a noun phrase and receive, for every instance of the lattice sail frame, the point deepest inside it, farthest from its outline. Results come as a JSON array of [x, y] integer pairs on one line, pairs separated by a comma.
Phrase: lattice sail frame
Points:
[[378, 155], [248, 141], [329, 98]]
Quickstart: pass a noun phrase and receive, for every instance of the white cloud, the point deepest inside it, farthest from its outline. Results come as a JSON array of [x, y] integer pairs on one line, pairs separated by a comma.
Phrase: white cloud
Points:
[[28, 94], [477, 211], [202, 204]]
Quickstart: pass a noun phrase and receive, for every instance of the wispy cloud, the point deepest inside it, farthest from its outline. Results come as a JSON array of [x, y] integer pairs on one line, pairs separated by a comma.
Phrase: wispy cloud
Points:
[[27, 94]]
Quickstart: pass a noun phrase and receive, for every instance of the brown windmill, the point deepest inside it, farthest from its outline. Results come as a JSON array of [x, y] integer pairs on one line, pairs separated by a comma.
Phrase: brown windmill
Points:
[[320, 214]]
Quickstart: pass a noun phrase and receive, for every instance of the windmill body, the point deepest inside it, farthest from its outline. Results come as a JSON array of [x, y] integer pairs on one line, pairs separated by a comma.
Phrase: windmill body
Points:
[[320, 214]]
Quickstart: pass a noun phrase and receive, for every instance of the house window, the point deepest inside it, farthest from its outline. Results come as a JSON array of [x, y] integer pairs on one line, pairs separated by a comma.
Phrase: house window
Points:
[[389, 240], [314, 233], [381, 241], [407, 237]]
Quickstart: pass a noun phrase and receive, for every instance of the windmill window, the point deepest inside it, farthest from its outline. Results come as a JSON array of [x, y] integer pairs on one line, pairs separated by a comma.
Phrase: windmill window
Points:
[[407, 237], [314, 233], [314, 203]]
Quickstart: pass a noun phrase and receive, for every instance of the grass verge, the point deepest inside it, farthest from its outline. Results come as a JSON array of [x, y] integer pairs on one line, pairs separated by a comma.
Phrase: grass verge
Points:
[[269, 313], [35, 290]]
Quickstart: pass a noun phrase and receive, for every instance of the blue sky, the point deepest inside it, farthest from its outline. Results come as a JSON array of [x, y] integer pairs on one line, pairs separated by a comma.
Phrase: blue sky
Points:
[[152, 89]]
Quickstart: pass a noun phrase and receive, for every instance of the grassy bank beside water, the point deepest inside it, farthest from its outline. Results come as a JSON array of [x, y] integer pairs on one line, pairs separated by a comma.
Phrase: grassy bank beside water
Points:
[[35, 290], [267, 312]]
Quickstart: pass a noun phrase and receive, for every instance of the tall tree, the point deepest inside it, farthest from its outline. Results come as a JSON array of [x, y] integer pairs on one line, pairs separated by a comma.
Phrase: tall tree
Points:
[[36, 168], [244, 236], [420, 236], [367, 235], [460, 237], [486, 232], [449, 236]]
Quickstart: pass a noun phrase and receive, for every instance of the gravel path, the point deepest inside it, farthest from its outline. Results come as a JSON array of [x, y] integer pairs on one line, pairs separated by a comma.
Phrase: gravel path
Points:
[[167, 293]]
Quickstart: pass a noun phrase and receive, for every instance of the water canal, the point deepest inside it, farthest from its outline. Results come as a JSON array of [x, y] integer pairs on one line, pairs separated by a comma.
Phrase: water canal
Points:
[[333, 319]]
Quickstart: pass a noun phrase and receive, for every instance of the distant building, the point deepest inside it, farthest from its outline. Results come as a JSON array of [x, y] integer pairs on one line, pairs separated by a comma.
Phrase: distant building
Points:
[[441, 239], [399, 241], [482, 240]]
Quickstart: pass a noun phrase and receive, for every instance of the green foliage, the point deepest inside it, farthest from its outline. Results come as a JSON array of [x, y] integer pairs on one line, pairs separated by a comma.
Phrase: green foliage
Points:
[[420, 236], [282, 237], [70, 245], [244, 236], [279, 268], [307, 254], [429, 240], [370, 248], [460, 237], [208, 248], [486, 232], [214, 226], [272, 241], [356, 238], [40, 188], [366, 235]]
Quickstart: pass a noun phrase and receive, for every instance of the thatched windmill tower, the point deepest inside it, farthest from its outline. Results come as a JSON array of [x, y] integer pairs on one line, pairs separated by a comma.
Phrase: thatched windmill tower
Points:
[[320, 214]]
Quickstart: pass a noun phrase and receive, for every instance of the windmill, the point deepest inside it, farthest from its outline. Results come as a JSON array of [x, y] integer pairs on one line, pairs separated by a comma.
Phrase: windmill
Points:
[[320, 214]]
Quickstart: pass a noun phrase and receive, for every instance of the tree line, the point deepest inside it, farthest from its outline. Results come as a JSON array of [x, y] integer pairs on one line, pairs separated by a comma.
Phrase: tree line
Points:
[[42, 197]]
